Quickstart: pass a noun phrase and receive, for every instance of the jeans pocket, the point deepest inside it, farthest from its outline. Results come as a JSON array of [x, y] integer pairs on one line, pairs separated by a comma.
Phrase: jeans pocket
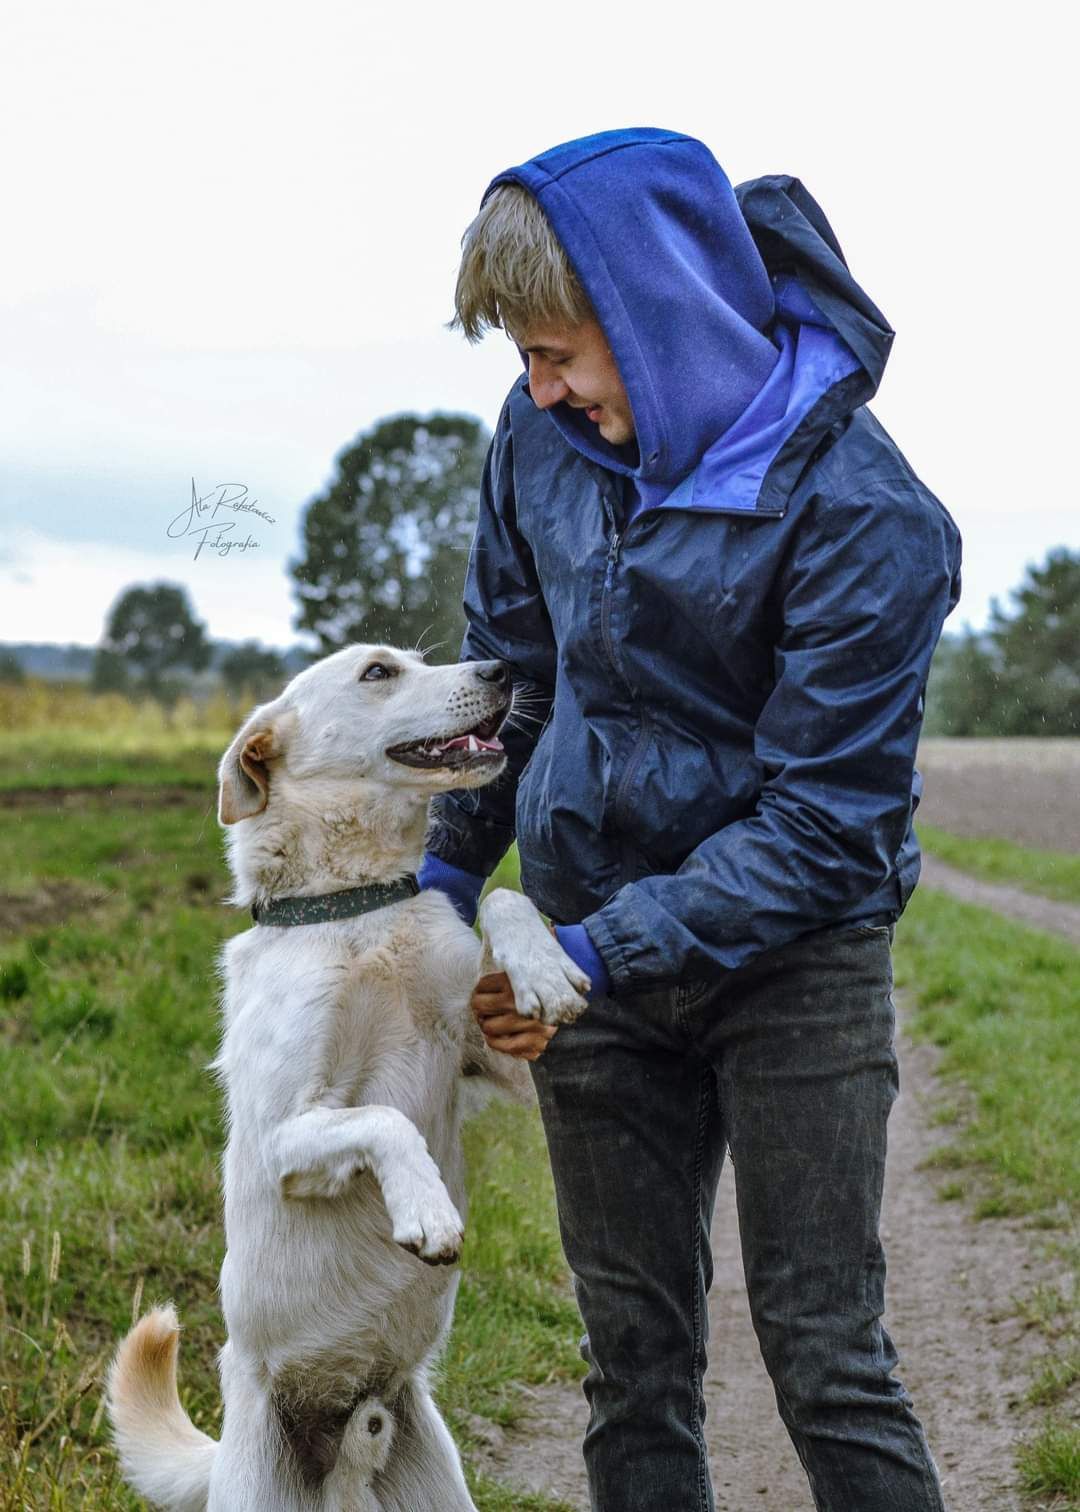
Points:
[[885, 932], [691, 992]]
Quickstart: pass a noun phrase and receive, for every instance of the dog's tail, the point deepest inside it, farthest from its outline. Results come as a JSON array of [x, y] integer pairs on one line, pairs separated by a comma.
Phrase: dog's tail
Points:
[[163, 1454]]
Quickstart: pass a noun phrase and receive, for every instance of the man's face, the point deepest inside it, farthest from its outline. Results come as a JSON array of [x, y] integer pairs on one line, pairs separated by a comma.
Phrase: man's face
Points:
[[574, 364]]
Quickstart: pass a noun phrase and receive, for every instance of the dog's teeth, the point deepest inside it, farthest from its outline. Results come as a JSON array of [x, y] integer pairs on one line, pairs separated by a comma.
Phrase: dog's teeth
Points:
[[474, 744]]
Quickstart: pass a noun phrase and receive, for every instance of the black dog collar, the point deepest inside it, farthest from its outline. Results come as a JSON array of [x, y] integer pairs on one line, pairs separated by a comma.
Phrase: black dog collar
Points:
[[336, 905]]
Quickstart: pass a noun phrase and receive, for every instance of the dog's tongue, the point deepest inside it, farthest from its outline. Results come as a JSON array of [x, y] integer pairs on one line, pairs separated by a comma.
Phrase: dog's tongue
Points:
[[471, 743]]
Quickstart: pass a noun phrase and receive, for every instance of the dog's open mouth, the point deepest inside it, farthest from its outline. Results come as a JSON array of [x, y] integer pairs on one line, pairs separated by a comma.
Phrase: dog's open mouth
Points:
[[476, 745]]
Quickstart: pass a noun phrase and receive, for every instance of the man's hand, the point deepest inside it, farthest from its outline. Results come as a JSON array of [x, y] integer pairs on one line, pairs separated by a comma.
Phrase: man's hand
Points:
[[502, 1026]]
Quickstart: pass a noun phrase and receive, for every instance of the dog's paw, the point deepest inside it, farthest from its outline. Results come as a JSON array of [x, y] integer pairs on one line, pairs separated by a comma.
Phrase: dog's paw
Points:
[[425, 1221], [547, 984], [549, 987]]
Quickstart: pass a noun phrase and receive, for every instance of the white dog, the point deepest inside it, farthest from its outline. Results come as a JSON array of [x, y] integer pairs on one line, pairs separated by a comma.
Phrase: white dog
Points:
[[346, 1034]]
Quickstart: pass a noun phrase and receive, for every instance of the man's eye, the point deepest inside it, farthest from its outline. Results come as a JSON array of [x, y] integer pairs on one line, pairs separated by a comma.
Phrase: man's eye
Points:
[[376, 672]]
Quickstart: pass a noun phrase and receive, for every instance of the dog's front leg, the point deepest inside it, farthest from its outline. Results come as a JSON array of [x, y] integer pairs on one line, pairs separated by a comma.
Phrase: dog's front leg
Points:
[[547, 984], [317, 1153]]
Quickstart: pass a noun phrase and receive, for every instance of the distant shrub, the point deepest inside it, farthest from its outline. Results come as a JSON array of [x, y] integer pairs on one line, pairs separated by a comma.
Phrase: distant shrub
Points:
[[14, 981]]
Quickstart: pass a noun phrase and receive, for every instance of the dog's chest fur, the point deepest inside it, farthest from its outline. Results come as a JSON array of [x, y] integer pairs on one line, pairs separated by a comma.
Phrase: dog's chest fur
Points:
[[366, 1010]]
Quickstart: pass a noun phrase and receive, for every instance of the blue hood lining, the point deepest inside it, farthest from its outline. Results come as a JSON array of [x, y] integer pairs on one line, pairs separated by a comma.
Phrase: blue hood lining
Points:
[[813, 360]]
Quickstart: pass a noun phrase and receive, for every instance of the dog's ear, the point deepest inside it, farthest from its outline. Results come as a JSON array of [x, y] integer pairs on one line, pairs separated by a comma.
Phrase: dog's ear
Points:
[[244, 774]]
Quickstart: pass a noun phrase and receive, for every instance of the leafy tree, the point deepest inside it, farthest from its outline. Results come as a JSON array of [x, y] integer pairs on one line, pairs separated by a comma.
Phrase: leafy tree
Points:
[[253, 667], [11, 668], [1038, 650], [1022, 676], [109, 673], [964, 691], [386, 545], [150, 632]]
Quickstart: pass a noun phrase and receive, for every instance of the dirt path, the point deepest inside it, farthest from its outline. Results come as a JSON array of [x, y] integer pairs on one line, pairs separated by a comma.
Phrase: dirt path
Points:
[[1027, 908], [950, 1312], [90, 795]]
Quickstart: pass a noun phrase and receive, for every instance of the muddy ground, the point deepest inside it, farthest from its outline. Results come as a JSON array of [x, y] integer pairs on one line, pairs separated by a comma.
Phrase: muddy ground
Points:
[[95, 795], [1027, 791]]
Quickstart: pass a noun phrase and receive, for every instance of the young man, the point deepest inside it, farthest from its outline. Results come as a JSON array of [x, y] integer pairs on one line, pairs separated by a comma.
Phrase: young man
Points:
[[721, 584]]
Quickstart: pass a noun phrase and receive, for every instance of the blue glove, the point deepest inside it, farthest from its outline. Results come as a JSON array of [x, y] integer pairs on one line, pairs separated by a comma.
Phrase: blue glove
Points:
[[574, 939], [461, 887]]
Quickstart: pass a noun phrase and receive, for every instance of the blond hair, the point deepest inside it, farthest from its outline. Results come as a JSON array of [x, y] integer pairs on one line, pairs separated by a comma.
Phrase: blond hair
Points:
[[514, 273]]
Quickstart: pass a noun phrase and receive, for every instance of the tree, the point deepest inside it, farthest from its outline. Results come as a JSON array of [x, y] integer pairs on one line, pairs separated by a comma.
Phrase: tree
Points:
[[1038, 650], [1022, 676], [109, 673], [252, 666], [386, 545], [150, 632], [964, 691], [11, 668]]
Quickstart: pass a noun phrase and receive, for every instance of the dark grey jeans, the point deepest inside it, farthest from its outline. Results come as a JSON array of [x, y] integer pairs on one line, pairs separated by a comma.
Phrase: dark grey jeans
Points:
[[789, 1064]]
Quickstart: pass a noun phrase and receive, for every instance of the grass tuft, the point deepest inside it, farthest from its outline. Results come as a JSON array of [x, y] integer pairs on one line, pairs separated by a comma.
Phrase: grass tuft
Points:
[[1050, 1463], [1055, 1378]]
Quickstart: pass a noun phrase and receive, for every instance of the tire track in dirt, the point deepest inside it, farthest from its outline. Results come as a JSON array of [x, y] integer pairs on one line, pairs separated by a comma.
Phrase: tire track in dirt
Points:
[[91, 795], [1026, 908], [963, 1352]]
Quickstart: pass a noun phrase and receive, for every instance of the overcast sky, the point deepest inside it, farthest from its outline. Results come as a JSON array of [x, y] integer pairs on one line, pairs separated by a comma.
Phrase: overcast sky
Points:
[[232, 232]]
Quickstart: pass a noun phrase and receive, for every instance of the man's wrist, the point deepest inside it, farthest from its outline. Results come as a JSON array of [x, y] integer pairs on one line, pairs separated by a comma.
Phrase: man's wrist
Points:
[[575, 940], [463, 888]]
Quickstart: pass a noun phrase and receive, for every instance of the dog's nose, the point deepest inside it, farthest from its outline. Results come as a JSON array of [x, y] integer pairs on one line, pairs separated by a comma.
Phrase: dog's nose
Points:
[[496, 672]]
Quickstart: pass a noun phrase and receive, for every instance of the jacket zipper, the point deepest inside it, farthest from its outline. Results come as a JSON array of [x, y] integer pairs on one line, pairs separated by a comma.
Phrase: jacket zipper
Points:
[[644, 733], [605, 602]]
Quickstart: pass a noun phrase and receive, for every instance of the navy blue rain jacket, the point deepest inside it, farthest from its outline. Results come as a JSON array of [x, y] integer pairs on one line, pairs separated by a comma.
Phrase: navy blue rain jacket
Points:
[[726, 630]]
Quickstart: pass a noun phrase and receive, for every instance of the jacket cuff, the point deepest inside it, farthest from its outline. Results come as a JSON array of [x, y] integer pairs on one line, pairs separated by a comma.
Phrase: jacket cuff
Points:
[[469, 842], [461, 887], [614, 929], [574, 939]]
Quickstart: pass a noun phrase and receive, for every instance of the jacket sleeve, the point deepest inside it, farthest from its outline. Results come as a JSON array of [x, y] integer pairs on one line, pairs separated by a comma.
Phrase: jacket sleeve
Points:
[[861, 603], [507, 619]]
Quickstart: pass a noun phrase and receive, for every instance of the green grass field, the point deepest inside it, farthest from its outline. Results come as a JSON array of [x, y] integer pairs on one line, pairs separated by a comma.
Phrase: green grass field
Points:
[[111, 915], [89, 759], [109, 1196]]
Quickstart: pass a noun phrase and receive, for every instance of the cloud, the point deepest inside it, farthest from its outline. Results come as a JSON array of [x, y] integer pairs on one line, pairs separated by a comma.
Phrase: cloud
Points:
[[62, 590]]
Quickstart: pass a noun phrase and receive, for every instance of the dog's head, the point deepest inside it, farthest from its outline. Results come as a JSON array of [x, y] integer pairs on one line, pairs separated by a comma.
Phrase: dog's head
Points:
[[372, 713]]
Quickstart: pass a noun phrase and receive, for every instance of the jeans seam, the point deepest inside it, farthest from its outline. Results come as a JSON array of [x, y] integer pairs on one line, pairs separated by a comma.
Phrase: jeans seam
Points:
[[696, 1361]]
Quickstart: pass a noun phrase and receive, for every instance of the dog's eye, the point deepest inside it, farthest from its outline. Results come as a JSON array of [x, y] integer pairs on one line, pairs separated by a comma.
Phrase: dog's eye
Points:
[[376, 672]]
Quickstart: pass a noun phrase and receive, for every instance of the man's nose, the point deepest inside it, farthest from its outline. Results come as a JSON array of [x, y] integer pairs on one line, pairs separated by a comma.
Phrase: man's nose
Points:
[[545, 386]]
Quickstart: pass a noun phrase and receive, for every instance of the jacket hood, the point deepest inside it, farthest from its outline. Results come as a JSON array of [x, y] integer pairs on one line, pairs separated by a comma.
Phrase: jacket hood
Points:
[[732, 317]]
